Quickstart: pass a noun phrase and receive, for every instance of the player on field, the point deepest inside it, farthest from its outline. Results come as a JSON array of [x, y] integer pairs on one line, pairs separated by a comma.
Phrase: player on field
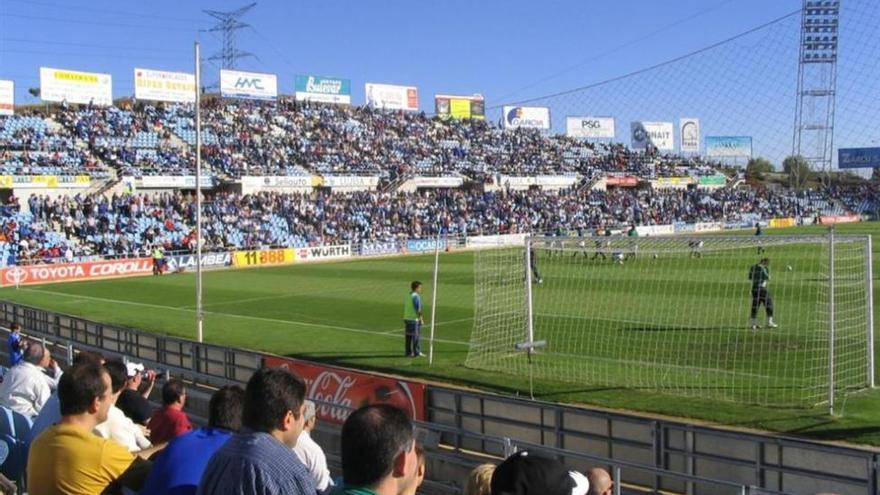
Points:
[[759, 274], [696, 249], [758, 234], [413, 320], [632, 233], [533, 265]]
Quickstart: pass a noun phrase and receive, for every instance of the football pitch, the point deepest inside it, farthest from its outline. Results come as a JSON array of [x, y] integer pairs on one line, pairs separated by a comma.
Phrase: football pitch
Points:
[[349, 313]]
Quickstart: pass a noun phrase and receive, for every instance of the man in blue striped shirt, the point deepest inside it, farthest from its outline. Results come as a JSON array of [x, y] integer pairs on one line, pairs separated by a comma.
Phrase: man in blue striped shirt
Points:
[[259, 460]]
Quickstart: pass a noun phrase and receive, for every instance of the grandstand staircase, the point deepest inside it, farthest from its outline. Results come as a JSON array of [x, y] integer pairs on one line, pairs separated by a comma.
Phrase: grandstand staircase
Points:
[[393, 185]]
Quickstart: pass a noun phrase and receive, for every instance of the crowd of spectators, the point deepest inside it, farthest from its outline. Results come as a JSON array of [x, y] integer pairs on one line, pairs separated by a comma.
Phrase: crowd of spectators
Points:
[[65, 227]]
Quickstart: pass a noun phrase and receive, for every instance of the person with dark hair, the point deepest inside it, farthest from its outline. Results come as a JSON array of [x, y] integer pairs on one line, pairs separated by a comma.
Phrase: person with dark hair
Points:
[[68, 457], [180, 466], [169, 421], [26, 387], [759, 274], [118, 426], [413, 320], [51, 411], [378, 452], [260, 459]]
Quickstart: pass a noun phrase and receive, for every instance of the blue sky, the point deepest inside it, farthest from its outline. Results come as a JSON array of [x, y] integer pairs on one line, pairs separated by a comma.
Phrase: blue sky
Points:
[[508, 51], [504, 50]]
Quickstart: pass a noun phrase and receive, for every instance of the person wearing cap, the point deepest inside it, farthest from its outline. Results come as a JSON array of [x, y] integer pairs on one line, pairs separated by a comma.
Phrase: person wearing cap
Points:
[[132, 401], [378, 452], [524, 473], [310, 453]]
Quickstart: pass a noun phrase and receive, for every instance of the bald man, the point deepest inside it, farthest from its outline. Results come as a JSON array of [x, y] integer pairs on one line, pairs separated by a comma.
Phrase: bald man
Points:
[[600, 482]]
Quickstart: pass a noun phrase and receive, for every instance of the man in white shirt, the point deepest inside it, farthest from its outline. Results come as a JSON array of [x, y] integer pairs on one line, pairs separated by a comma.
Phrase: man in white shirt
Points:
[[26, 387], [118, 426], [310, 453]]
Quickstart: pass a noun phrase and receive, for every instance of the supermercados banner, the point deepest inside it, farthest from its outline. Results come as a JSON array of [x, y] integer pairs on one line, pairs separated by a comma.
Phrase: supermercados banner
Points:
[[69, 272], [187, 262], [657, 134], [729, 146], [350, 181], [460, 107], [390, 97], [590, 127], [320, 253], [338, 391], [689, 133], [76, 87], [526, 117], [45, 181], [251, 85], [7, 97], [262, 257], [158, 85], [323, 89]]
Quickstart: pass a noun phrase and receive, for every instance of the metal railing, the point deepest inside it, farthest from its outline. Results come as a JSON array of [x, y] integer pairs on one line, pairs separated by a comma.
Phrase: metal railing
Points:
[[648, 453]]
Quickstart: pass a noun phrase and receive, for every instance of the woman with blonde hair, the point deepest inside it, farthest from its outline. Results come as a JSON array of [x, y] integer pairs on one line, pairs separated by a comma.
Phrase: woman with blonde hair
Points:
[[479, 481]]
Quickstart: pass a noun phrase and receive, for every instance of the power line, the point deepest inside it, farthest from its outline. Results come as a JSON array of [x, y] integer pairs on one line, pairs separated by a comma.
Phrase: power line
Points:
[[100, 23], [104, 11], [80, 54], [653, 67], [91, 45]]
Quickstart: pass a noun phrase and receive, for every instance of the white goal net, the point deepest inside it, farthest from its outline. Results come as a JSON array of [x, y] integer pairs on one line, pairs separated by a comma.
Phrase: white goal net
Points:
[[673, 314]]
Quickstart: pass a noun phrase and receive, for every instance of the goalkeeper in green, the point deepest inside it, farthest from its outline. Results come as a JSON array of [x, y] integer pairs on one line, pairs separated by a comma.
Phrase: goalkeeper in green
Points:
[[759, 274]]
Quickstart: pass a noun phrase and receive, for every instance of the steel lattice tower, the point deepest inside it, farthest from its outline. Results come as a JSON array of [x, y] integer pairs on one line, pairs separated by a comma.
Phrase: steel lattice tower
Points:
[[228, 25], [817, 83]]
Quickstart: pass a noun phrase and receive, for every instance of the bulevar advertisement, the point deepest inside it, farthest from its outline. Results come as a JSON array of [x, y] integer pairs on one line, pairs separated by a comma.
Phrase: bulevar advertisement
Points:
[[338, 391], [69, 272]]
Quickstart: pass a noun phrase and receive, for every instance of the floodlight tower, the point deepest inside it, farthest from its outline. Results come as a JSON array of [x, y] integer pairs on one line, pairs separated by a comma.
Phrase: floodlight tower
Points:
[[817, 83], [229, 23]]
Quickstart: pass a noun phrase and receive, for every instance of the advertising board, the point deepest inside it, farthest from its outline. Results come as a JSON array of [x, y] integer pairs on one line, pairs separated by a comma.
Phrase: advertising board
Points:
[[321, 253], [423, 245], [460, 107], [187, 262], [656, 134], [858, 158], [249, 85], [323, 89], [590, 127], [69, 272], [76, 87], [7, 97], [391, 97], [689, 134], [729, 146], [338, 391], [159, 85], [379, 248], [262, 257], [526, 117]]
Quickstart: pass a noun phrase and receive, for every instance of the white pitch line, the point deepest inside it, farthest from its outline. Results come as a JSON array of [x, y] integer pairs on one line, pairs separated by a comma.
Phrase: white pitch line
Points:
[[398, 330], [232, 315]]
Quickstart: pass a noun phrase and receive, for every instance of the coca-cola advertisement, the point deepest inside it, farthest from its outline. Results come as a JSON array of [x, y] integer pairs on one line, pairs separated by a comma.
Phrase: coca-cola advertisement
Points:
[[338, 391]]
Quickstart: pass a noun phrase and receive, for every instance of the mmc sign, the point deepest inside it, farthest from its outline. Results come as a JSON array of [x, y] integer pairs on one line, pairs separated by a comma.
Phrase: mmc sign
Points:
[[254, 85]]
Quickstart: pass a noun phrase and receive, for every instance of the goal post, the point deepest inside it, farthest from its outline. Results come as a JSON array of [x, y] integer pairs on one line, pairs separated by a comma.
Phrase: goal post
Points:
[[673, 315]]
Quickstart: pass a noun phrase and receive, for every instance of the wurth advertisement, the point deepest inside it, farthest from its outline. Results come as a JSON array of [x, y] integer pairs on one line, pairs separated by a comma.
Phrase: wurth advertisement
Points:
[[338, 391], [69, 272], [320, 253]]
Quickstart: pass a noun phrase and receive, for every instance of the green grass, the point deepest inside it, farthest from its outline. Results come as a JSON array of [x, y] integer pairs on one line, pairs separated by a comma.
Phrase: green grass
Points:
[[349, 313]]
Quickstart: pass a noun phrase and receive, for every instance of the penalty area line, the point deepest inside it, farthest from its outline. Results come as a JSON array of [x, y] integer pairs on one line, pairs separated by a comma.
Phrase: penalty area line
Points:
[[233, 315]]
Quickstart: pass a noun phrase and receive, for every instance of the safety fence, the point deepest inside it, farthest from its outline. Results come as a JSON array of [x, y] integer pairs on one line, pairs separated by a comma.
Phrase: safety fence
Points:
[[465, 427]]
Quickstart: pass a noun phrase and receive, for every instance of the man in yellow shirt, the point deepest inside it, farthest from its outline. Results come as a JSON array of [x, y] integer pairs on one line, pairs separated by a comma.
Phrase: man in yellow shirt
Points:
[[68, 458]]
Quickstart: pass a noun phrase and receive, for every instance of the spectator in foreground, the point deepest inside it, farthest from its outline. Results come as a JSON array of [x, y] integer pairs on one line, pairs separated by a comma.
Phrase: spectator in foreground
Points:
[[179, 468], [50, 414], [421, 466], [68, 457], [378, 452], [17, 345], [133, 401], [27, 387], [169, 421], [260, 460], [600, 482], [527, 474], [118, 426], [479, 481], [309, 452]]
